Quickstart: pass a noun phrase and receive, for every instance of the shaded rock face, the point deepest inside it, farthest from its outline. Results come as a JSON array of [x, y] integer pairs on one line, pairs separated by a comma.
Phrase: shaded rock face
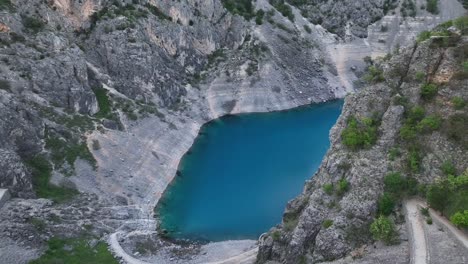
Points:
[[14, 175], [336, 15], [302, 236]]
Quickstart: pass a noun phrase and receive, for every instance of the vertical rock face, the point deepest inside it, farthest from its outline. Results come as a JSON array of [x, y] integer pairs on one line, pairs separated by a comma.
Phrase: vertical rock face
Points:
[[303, 236]]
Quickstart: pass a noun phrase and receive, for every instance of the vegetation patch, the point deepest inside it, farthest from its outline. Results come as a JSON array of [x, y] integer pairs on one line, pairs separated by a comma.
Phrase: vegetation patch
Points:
[[5, 4], [283, 8], [449, 196], [68, 151], [429, 91], [383, 229], [75, 251], [32, 24], [432, 6], [240, 7], [105, 106], [374, 74], [360, 133], [327, 223], [41, 172]]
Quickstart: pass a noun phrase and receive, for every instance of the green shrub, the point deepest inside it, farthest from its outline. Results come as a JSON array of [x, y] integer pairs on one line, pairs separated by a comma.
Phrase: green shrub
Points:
[[416, 114], [276, 235], [385, 204], [283, 8], [307, 29], [414, 159], [259, 17], [393, 153], [394, 183], [429, 221], [448, 168], [327, 223], [408, 132], [425, 211], [458, 102], [383, 229], [432, 7], [342, 187], [360, 133], [429, 90], [455, 128], [374, 75], [429, 123], [96, 145], [437, 195], [420, 76], [460, 219], [33, 24], [425, 35], [240, 7], [328, 188]]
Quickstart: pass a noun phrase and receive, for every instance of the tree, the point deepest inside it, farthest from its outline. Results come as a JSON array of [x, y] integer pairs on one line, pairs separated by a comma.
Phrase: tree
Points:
[[385, 204], [437, 195], [383, 229]]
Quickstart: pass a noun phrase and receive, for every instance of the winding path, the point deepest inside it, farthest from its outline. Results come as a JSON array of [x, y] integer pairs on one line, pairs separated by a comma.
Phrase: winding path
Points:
[[418, 239]]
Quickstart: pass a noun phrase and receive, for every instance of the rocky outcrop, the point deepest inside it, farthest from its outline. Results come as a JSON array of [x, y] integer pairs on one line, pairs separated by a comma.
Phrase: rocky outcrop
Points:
[[303, 236]]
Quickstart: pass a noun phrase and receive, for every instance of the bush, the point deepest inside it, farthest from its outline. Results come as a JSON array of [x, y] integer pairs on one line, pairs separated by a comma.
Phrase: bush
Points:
[[33, 24], [448, 168], [420, 76], [259, 17], [429, 90], [360, 133], [429, 123], [327, 223], [374, 75], [414, 159], [283, 8], [425, 211], [96, 145], [458, 102], [456, 127], [429, 221], [460, 219], [425, 35], [432, 7], [328, 188], [394, 183], [383, 229], [437, 195], [385, 204], [240, 7], [307, 29], [342, 187]]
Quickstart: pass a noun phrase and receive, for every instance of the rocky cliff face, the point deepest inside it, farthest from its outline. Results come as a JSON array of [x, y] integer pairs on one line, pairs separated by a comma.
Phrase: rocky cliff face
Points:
[[356, 174]]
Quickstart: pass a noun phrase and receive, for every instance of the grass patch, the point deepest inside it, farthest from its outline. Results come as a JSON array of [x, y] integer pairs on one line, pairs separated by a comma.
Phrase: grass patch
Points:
[[75, 251], [458, 102], [327, 223], [41, 172], [105, 106], [63, 151]]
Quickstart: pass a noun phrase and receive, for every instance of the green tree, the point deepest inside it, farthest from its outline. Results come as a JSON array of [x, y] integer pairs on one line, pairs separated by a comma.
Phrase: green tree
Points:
[[394, 183], [437, 195]]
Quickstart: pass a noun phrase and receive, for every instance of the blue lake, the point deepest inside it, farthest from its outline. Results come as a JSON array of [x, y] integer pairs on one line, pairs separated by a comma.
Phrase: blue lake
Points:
[[241, 171]]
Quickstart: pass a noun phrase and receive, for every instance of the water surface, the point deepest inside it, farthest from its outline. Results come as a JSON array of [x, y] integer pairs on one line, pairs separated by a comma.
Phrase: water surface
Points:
[[241, 171]]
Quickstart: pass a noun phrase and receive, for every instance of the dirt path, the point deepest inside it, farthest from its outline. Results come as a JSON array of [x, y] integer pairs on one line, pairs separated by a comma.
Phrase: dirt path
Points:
[[415, 222], [247, 257], [419, 254]]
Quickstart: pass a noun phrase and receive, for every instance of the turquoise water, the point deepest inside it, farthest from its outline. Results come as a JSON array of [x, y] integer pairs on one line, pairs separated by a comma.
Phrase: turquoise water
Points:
[[236, 179]]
